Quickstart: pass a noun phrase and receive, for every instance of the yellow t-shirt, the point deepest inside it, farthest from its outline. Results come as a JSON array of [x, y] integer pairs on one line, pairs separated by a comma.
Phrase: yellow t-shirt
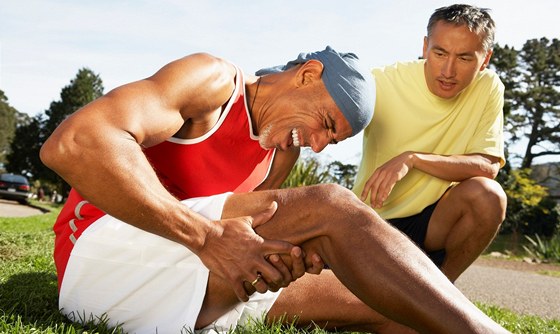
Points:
[[408, 117]]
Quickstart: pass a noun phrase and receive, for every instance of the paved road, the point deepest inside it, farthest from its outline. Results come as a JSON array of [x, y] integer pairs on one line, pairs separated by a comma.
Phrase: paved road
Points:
[[14, 209], [519, 291]]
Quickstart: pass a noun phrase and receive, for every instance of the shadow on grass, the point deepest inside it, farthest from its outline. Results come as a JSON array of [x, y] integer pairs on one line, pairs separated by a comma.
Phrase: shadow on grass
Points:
[[32, 297]]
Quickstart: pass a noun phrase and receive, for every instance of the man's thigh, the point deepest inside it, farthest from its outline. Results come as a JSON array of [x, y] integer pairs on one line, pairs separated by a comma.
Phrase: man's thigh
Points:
[[477, 197], [451, 207]]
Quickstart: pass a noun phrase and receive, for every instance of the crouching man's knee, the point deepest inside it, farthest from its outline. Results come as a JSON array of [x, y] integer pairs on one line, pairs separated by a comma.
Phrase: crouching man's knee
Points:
[[489, 199]]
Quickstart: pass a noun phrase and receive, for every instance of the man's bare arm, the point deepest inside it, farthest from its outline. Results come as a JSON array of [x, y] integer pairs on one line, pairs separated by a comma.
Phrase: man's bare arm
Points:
[[98, 150], [453, 168]]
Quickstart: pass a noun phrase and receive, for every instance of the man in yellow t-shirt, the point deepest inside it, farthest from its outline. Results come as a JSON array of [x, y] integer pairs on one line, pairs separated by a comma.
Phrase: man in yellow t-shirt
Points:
[[435, 142]]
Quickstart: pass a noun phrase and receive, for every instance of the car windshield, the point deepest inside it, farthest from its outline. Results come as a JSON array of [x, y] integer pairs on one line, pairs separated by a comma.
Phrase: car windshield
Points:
[[13, 178]]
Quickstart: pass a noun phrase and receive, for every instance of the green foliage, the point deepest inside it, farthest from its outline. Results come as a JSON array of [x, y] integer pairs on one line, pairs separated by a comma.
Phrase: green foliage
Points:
[[308, 171], [343, 174], [24, 150], [305, 172], [544, 249], [29, 137], [532, 98], [10, 119], [84, 88], [504, 61], [530, 210], [521, 188], [7, 125], [508, 244]]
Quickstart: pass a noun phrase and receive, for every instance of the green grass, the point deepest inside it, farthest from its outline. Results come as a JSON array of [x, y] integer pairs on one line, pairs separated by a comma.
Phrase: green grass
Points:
[[549, 273], [516, 323], [28, 289]]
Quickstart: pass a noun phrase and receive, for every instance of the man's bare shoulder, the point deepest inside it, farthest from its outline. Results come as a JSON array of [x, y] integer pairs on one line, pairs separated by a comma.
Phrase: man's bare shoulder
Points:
[[201, 66], [199, 82]]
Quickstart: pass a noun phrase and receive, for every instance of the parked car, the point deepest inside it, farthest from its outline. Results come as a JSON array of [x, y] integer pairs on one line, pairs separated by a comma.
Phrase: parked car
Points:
[[14, 187]]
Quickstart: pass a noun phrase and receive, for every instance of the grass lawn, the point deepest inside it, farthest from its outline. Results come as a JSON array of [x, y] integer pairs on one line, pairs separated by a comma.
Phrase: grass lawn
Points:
[[28, 290]]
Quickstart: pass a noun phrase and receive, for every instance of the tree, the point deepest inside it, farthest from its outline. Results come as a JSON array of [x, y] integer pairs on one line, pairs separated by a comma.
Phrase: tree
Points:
[[24, 156], [343, 174], [84, 88], [532, 99], [7, 126], [307, 171]]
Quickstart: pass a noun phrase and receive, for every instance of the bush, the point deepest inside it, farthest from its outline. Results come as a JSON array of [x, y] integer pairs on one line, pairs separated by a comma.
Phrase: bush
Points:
[[543, 249]]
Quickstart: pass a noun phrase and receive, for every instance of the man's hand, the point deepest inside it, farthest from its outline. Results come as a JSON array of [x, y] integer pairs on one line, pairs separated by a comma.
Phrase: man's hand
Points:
[[300, 264], [381, 182], [233, 251], [291, 267]]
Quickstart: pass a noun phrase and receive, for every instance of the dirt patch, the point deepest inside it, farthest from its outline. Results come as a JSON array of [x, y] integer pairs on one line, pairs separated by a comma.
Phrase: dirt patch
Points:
[[9, 253], [516, 264]]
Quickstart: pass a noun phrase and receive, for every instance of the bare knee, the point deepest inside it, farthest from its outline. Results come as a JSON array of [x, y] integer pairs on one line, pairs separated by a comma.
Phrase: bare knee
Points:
[[331, 192], [338, 205], [338, 196], [335, 215], [487, 199]]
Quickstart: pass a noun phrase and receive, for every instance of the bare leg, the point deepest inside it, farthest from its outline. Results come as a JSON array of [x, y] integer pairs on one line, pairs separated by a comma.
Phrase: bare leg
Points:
[[311, 300], [465, 221], [323, 301], [373, 260]]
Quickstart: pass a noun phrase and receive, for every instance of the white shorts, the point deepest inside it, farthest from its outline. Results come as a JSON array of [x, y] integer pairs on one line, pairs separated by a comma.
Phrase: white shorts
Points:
[[125, 276]]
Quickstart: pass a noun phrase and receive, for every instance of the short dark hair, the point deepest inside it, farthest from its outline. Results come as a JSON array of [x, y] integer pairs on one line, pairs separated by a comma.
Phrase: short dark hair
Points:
[[478, 20]]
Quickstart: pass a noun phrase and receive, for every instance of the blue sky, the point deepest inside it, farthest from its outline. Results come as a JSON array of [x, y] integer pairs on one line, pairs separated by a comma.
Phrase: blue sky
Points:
[[43, 43]]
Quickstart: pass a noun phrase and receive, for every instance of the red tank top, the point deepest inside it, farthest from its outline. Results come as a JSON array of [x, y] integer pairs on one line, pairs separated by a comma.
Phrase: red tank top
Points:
[[226, 159]]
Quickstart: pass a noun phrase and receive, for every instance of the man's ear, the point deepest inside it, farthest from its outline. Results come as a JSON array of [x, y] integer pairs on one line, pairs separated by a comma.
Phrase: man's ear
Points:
[[486, 60], [425, 48], [309, 72]]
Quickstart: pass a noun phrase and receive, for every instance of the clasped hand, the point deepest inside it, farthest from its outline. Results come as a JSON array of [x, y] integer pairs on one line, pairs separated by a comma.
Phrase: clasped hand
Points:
[[235, 252]]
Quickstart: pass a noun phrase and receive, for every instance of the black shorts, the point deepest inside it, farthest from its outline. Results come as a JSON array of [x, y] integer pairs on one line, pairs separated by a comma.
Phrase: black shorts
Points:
[[416, 227]]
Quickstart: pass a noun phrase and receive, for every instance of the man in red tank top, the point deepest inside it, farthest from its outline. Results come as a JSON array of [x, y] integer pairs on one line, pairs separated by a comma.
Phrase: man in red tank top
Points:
[[165, 232]]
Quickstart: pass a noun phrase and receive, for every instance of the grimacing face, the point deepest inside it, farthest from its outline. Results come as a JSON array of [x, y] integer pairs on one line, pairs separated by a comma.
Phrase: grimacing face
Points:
[[306, 120], [454, 55]]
